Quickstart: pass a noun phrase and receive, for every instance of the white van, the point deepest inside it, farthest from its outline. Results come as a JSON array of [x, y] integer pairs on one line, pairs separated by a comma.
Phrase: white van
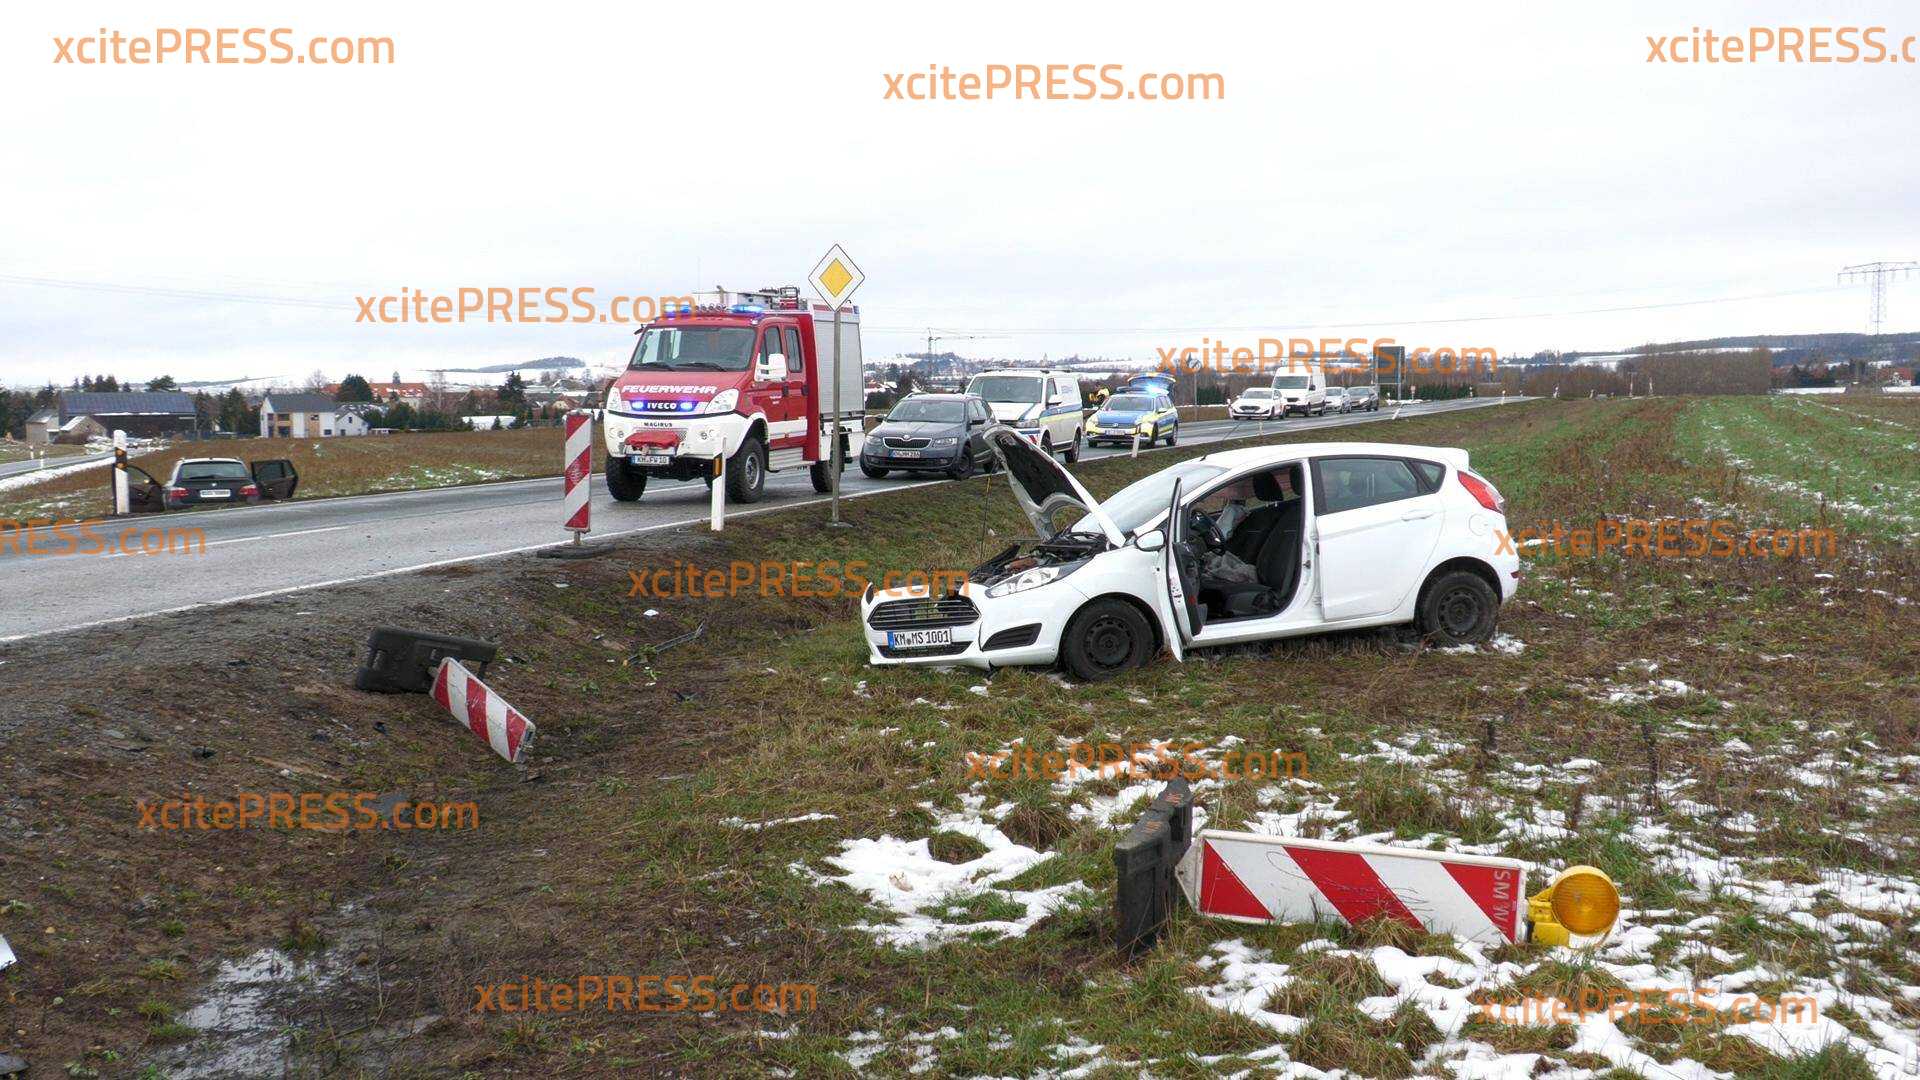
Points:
[[1040, 403], [1301, 388]]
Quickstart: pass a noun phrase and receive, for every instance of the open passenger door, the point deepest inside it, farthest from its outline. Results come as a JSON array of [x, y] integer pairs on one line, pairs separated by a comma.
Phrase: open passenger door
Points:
[[144, 493], [275, 479], [1180, 566]]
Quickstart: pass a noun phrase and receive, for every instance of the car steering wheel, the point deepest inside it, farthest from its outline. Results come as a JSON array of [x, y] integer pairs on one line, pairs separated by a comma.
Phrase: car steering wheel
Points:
[[1207, 529]]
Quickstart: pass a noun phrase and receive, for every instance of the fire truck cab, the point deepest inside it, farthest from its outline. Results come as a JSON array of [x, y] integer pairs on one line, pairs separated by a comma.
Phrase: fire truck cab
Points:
[[747, 378]]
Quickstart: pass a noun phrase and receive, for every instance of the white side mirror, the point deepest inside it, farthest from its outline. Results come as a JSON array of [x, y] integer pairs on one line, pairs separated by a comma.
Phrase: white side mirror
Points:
[[1152, 541], [773, 367]]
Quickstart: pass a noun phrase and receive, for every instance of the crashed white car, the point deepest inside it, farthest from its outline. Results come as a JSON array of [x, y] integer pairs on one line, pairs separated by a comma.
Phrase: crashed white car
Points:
[[1243, 545]]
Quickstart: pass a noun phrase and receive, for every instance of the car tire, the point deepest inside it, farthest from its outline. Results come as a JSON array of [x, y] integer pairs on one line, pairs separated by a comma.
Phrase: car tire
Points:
[[873, 473], [821, 473], [1104, 639], [1073, 452], [1458, 608], [747, 472], [624, 482], [1046, 443], [1173, 437], [962, 468]]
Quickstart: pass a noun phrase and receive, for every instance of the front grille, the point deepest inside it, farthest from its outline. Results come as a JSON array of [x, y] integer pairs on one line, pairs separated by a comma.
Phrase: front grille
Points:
[[932, 650], [905, 444], [1018, 637], [924, 614]]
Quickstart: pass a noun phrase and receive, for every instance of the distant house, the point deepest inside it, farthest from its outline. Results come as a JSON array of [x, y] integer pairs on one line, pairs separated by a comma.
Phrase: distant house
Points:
[[285, 415], [489, 423], [388, 393], [77, 415]]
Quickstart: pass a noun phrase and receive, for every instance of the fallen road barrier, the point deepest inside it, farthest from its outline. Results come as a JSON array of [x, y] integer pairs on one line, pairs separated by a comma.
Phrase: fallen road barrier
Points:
[[407, 661], [1259, 878], [484, 712]]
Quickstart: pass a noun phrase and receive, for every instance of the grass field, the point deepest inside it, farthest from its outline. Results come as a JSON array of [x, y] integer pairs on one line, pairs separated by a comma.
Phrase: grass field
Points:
[[11, 451], [339, 466], [1734, 740]]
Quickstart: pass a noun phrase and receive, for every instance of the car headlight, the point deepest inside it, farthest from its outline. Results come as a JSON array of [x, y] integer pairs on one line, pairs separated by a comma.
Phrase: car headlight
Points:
[[1034, 578], [722, 402], [943, 442]]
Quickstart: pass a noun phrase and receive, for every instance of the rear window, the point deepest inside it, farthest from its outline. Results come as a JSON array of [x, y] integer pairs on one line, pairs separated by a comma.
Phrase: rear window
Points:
[[1430, 474], [212, 470]]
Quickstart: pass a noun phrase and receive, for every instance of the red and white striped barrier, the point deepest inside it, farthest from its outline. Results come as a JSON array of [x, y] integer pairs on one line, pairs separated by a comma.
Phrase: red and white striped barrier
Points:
[[1248, 877], [484, 712], [579, 472]]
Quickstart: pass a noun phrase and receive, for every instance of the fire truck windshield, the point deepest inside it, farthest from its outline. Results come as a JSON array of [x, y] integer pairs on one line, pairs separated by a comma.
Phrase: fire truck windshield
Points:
[[693, 348]]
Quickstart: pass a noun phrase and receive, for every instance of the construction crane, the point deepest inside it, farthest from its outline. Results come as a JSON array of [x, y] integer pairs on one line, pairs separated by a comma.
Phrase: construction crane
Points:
[[934, 335]]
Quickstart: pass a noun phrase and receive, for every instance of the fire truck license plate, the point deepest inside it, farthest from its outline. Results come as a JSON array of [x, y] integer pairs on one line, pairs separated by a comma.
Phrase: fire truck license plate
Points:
[[650, 459], [918, 639]]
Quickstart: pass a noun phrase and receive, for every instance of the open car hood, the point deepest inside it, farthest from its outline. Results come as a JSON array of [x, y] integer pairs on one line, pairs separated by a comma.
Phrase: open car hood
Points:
[[1043, 486]]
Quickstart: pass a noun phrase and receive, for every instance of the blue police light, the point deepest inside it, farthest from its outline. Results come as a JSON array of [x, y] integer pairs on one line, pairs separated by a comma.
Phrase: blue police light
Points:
[[686, 309], [747, 309]]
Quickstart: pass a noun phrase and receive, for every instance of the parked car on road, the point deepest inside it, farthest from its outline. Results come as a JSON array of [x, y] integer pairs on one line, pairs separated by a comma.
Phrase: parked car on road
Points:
[[926, 433], [1337, 400], [1244, 545], [1363, 398], [1150, 414], [1042, 404], [1302, 388], [197, 482], [1254, 403]]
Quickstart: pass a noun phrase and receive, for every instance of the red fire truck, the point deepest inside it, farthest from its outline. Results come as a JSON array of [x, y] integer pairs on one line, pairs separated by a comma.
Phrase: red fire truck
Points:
[[749, 378]]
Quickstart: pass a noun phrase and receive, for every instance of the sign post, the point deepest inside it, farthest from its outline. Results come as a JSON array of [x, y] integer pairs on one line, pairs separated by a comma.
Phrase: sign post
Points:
[[835, 279], [122, 500]]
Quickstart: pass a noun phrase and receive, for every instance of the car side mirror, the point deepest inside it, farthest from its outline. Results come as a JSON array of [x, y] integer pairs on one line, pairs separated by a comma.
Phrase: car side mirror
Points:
[[772, 368], [978, 421], [1152, 541], [1052, 401]]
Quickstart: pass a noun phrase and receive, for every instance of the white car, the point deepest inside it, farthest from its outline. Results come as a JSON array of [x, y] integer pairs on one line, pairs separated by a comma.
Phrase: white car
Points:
[[1243, 545], [1044, 405], [1254, 403]]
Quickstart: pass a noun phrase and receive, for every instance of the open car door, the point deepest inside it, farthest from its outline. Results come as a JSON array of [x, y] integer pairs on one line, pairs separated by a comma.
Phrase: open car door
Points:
[[276, 479], [1181, 566], [144, 493]]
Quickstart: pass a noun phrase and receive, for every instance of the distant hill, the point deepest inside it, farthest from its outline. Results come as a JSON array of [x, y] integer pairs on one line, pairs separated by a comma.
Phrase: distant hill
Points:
[[1787, 348], [560, 363]]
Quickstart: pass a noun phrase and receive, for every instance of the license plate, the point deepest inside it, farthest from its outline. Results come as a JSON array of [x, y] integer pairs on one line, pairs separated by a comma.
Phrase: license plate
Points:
[[215, 493], [918, 639], [906, 453], [650, 459]]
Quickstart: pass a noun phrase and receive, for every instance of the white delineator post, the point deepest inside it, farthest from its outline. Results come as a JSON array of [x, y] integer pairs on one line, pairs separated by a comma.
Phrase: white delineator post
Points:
[[482, 711], [578, 464], [717, 511], [122, 499]]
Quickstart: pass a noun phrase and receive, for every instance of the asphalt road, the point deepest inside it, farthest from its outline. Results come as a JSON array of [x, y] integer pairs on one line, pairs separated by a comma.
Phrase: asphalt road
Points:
[[269, 550], [16, 468]]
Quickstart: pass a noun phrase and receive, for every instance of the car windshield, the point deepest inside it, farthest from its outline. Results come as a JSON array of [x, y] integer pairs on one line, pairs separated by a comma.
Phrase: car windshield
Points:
[[1290, 382], [1129, 403], [213, 470], [911, 411], [1258, 391], [1335, 391], [1018, 389], [1136, 504], [693, 348]]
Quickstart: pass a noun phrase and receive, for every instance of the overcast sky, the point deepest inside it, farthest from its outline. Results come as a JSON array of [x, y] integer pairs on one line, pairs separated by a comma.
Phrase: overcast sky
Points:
[[1373, 169]]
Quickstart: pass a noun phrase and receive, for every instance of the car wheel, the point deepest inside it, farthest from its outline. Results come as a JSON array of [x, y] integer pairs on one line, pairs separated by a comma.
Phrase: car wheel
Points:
[[1458, 609], [873, 473], [1073, 452], [747, 472], [1046, 443], [962, 468], [1104, 639], [1173, 437], [624, 482], [821, 473]]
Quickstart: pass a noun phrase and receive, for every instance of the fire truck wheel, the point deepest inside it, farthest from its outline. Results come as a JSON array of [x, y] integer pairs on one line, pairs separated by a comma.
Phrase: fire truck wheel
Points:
[[624, 482], [747, 472], [1073, 452]]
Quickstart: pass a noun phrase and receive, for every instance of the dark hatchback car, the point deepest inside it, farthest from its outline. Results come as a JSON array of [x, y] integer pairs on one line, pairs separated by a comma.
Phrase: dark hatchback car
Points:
[[198, 482], [930, 433]]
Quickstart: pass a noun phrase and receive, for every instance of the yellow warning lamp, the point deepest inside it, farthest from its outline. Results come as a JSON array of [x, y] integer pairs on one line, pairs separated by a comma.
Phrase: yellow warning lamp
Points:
[[1580, 902]]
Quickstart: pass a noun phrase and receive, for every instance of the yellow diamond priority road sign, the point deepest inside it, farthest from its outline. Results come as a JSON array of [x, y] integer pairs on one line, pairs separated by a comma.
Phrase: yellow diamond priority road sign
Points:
[[836, 277]]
